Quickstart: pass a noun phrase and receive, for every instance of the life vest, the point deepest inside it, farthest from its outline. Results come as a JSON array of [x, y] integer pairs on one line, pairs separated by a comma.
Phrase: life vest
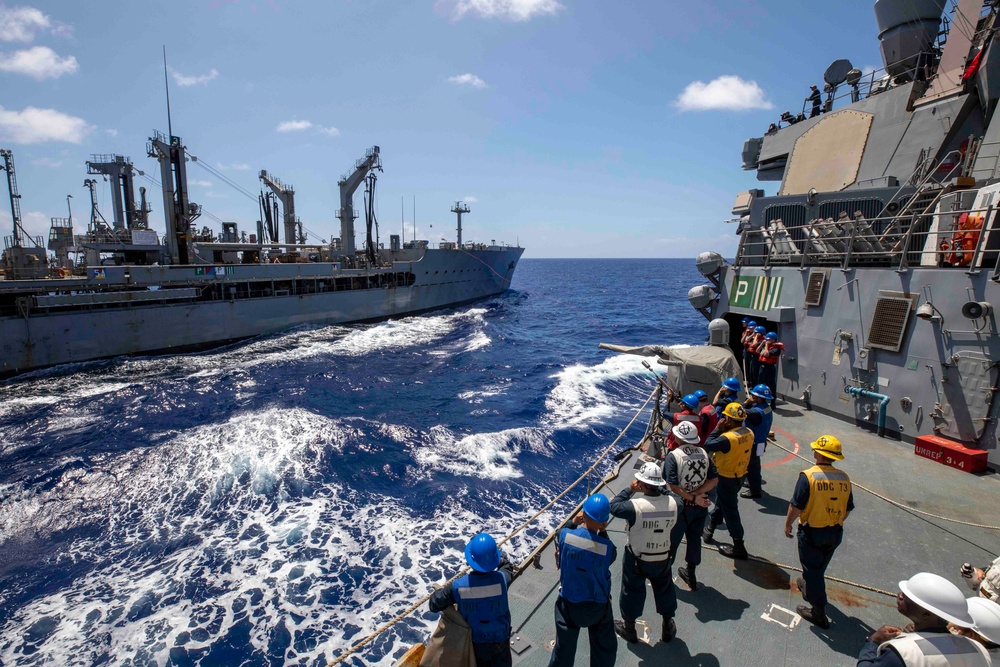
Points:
[[585, 565], [482, 600], [649, 537], [677, 418], [958, 251], [735, 462], [829, 491], [761, 430], [990, 586], [711, 419], [745, 338], [692, 466], [769, 353], [750, 344], [938, 649]]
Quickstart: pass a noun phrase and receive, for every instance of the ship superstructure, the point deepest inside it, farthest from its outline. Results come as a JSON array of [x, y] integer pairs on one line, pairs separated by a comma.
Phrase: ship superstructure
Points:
[[119, 288], [876, 260]]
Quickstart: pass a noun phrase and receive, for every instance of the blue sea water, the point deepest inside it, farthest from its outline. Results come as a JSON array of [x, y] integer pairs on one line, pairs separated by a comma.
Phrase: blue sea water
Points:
[[273, 502]]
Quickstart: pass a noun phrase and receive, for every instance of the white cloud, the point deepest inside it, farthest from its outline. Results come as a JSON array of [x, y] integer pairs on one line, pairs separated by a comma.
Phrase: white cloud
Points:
[[204, 184], [508, 10], [294, 125], [112, 132], [202, 79], [470, 200], [20, 24], [729, 93], [236, 166], [329, 131], [33, 126], [38, 62], [216, 195], [47, 162], [467, 80]]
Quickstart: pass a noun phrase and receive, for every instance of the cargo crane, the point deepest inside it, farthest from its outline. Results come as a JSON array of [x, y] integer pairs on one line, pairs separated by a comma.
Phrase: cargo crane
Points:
[[20, 261], [61, 236], [120, 169], [178, 212], [286, 195], [349, 183]]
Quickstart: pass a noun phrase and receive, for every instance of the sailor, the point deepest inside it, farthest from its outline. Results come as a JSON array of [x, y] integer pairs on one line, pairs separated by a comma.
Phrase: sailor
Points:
[[756, 343], [726, 395], [767, 361], [651, 515], [691, 476], [481, 597], [749, 334], [688, 413], [730, 445], [709, 417], [584, 555], [821, 502], [759, 419], [985, 625], [816, 99], [931, 602], [985, 581]]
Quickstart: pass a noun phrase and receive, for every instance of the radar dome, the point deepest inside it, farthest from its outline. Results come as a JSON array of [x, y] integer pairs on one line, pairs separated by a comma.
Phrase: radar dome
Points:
[[718, 332], [701, 296], [709, 263]]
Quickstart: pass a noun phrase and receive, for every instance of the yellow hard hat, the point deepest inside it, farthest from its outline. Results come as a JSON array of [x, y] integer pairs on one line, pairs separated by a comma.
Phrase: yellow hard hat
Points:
[[735, 411], [828, 446]]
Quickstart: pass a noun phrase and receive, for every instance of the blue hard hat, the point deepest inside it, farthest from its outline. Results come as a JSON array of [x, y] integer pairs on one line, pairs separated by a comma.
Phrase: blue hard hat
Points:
[[732, 384], [690, 400], [760, 330], [751, 324], [745, 320], [482, 553], [771, 336], [597, 508], [762, 391], [700, 395]]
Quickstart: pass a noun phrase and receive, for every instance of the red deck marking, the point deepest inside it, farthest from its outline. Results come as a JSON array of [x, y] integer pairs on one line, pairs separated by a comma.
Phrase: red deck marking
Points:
[[795, 449]]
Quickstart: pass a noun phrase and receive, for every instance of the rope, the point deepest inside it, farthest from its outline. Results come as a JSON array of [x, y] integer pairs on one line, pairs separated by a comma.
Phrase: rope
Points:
[[416, 605], [897, 503]]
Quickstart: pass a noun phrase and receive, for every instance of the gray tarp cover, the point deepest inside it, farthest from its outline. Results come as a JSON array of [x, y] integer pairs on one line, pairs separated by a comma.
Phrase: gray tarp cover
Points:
[[689, 368]]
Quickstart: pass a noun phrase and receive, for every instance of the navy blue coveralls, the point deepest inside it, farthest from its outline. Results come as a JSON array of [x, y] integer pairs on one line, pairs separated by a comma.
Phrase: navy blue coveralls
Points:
[[816, 546], [488, 616], [727, 492], [585, 597], [759, 420], [691, 519], [635, 572]]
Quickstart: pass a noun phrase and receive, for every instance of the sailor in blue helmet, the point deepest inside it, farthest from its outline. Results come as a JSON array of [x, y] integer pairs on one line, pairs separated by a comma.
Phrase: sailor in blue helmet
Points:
[[584, 555], [727, 393], [687, 413], [748, 337], [768, 354], [709, 417], [651, 513], [759, 420], [756, 344], [481, 597]]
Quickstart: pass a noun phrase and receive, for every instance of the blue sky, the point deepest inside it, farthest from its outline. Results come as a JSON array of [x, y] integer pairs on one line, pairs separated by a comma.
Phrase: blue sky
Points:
[[580, 129]]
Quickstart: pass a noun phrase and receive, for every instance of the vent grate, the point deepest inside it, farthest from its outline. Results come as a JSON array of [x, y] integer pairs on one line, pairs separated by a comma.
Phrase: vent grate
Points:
[[814, 289], [889, 323]]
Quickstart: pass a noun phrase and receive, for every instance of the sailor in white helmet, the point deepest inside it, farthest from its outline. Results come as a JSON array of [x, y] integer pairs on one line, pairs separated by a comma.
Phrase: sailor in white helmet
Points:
[[651, 512], [931, 602], [986, 626], [691, 476], [985, 581]]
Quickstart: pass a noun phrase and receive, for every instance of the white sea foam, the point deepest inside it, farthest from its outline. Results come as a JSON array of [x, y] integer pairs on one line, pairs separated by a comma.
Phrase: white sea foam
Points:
[[579, 399], [485, 455]]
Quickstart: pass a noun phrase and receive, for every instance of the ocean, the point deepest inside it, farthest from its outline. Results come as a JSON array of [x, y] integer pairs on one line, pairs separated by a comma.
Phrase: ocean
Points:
[[275, 501]]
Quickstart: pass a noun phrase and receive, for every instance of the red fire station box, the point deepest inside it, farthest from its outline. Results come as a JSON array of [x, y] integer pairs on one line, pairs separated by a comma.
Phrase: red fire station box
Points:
[[950, 453]]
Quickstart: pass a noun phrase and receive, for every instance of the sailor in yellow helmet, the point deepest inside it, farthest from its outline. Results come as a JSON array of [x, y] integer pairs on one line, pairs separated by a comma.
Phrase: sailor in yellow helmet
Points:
[[821, 502], [730, 445]]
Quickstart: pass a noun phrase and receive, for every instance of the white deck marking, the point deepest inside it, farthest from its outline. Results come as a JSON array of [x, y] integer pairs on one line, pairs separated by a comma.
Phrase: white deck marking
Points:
[[784, 617]]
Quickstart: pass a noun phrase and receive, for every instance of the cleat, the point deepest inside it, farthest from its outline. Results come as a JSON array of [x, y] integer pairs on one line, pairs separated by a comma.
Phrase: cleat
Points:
[[626, 630], [669, 630], [810, 614]]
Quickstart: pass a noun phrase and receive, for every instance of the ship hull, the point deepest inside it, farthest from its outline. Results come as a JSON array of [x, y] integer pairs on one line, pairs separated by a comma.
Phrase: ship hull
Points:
[[441, 279]]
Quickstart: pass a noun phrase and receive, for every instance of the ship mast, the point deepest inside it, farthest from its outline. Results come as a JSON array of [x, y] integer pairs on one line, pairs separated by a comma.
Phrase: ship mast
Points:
[[458, 209]]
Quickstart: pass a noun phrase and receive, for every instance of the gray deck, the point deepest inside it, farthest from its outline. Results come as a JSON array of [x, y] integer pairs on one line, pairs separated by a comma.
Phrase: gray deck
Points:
[[723, 624]]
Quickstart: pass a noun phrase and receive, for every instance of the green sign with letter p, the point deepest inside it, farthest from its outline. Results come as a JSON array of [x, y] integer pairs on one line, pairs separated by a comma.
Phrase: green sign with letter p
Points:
[[755, 292]]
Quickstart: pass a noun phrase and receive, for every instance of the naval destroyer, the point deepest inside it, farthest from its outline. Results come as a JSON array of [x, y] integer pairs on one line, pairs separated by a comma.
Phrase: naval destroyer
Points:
[[121, 288]]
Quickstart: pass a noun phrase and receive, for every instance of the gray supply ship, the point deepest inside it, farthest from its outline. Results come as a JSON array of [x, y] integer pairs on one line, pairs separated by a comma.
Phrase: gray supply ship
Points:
[[119, 289], [876, 264]]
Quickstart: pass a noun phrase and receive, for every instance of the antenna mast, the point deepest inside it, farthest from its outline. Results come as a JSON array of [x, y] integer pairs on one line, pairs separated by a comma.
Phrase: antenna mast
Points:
[[166, 84]]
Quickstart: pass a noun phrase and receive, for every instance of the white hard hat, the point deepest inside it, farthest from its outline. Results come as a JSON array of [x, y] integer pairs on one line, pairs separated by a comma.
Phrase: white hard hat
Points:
[[939, 596], [687, 433], [986, 618], [650, 474]]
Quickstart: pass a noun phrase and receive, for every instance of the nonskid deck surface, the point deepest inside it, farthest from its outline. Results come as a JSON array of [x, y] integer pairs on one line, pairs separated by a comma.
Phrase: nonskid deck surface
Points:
[[744, 615]]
